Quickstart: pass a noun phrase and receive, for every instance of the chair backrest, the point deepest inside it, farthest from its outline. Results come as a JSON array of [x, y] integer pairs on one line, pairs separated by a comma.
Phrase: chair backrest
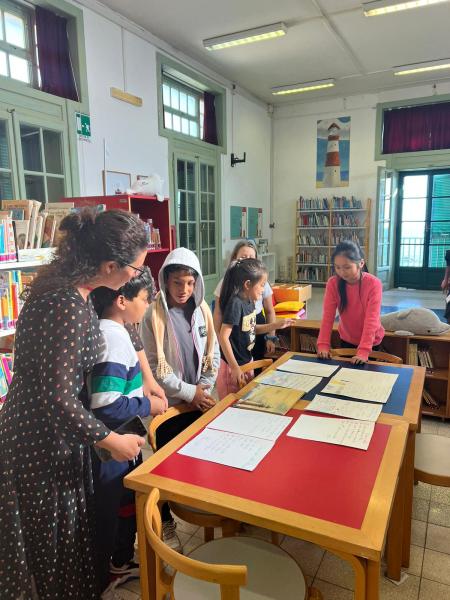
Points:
[[374, 355], [263, 364], [229, 577], [171, 412]]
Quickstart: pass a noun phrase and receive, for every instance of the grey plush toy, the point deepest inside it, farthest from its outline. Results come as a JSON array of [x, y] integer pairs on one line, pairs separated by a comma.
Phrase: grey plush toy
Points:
[[414, 321]]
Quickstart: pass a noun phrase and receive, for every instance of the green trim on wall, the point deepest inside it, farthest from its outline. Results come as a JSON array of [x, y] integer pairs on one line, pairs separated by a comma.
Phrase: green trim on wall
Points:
[[196, 80], [409, 160]]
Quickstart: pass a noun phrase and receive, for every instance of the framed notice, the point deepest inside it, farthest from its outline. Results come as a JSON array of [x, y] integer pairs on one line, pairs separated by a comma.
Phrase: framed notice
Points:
[[254, 223], [238, 222]]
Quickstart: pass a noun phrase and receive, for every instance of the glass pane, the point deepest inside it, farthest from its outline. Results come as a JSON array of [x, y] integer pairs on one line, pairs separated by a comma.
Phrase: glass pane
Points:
[[415, 186], [6, 191], [388, 186], [387, 208], [176, 121], [411, 255], [204, 235], [212, 208], [211, 187], [191, 207], [441, 185], [167, 120], [204, 207], [15, 30], [183, 102], [1, 27], [192, 106], [19, 68], [436, 257], [34, 187], [3, 64], [203, 182], [4, 147], [192, 237], [182, 207], [380, 256], [181, 174], [53, 152], [414, 209], [31, 149], [440, 209], [212, 262], [183, 235], [55, 189], [385, 234], [440, 232], [212, 235], [205, 262], [166, 94], [190, 176], [185, 126], [174, 98], [193, 129], [386, 254]]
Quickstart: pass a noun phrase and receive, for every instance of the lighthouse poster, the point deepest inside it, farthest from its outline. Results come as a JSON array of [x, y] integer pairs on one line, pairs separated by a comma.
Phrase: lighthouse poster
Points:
[[333, 152]]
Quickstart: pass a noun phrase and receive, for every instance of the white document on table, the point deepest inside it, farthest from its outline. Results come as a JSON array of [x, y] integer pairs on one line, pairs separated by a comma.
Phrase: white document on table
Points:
[[363, 385], [362, 411], [296, 381], [316, 368], [251, 423], [344, 432], [230, 449]]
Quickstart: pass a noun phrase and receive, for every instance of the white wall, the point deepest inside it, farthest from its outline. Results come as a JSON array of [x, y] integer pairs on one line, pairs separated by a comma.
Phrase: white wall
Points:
[[131, 133], [295, 132]]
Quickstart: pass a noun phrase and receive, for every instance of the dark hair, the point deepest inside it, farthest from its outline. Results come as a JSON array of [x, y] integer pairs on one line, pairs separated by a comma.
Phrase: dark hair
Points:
[[87, 239], [176, 268], [243, 244], [240, 271], [353, 252], [103, 297]]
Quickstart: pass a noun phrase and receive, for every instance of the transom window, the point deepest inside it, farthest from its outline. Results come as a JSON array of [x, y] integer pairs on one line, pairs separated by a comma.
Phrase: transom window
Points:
[[17, 43], [384, 223], [183, 108]]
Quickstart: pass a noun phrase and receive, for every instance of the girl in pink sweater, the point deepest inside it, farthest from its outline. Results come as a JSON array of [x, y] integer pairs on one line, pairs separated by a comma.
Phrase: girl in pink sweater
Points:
[[356, 295]]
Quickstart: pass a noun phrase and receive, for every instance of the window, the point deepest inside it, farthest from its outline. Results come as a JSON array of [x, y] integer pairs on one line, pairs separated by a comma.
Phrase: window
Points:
[[183, 108], [17, 43], [384, 222], [6, 186]]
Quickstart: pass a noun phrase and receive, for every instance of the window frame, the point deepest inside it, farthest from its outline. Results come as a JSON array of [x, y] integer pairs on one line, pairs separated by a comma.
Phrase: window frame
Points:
[[29, 52], [197, 94]]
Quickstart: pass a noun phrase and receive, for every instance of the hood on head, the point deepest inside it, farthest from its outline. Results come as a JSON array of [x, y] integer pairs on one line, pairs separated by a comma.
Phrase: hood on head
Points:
[[185, 257]]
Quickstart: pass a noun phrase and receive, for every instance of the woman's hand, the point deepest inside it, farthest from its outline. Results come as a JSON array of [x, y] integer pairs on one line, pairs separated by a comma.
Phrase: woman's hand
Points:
[[238, 377], [122, 447], [323, 354], [283, 323], [357, 360], [202, 400]]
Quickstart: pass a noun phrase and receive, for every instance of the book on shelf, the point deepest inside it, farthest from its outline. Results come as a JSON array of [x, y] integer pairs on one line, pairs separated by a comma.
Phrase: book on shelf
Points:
[[11, 287], [429, 400], [308, 343], [420, 355], [6, 368]]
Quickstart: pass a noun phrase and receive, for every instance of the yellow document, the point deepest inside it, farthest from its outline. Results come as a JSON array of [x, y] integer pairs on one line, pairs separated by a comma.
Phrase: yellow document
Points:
[[268, 398]]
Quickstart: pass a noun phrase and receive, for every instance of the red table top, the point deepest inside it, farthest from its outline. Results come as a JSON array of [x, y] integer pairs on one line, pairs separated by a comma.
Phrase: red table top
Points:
[[325, 481]]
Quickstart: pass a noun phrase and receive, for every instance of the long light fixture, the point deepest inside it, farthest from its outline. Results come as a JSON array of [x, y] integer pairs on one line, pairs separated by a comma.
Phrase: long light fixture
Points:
[[384, 7], [297, 88], [258, 34], [423, 67]]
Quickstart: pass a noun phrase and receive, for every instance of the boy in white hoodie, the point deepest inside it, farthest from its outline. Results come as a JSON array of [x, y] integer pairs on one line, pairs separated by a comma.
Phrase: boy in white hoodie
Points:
[[181, 346]]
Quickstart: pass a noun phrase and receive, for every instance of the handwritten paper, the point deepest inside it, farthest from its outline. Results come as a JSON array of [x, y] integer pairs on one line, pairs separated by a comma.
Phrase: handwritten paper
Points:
[[345, 408], [296, 381], [225, 448], [343, 432], [318, 369], [363, 385], [269, 398], [254, 424]]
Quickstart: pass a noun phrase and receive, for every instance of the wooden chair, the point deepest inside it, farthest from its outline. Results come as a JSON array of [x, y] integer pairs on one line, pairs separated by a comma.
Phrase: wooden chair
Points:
[[374, 355], [432, 459], [187, 513], [266, 570]]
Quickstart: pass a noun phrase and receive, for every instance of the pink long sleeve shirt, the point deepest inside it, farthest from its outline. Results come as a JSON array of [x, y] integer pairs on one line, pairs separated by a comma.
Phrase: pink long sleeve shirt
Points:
[[360, 323]]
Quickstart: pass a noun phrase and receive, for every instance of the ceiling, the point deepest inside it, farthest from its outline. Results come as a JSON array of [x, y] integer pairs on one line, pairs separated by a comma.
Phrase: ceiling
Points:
[[325, 38]]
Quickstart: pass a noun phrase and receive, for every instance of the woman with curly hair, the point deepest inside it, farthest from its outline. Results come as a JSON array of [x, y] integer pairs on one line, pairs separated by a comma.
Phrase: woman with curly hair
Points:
[[46, 428]]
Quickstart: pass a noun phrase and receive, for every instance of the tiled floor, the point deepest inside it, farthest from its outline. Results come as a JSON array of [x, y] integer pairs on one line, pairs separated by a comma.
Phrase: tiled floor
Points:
[[428, 577]]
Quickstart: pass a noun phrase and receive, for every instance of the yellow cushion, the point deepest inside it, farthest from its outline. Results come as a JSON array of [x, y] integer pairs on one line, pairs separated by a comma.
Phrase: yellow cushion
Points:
[[289, 306], [287, 315]]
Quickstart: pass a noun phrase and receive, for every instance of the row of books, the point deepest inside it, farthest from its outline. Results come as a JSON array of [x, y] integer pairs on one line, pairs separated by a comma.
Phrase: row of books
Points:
[[6, 369], [420, 355], [11, 286], [308, 343], [326, 204], [336, 238], [345, 220], [313, 220], [312, 274], [318, 239], [305, 256], [429, 400]]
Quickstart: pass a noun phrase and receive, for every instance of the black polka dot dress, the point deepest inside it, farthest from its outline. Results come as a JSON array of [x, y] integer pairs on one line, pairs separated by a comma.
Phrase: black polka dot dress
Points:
[[45, 434]]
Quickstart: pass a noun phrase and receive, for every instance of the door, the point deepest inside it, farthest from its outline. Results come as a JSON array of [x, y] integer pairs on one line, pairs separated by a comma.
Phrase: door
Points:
[[423, 228], [197, 215]]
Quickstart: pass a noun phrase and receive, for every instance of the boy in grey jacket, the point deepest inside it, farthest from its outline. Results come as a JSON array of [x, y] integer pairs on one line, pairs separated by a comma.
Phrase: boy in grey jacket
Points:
[[181, 346]]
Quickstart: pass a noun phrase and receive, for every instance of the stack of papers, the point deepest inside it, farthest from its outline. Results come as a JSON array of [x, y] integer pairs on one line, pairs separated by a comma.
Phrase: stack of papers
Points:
[[237, 438], [344, 432], [363, 385], [306, 367], [296, 381], [362, 411], [270, 399]]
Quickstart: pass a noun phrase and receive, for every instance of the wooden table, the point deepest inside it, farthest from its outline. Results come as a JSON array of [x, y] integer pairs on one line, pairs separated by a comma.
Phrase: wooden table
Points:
[[361, 546]]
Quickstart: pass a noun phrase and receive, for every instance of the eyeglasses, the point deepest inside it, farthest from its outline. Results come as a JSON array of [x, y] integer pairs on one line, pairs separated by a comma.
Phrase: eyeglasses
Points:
[[137, 270]]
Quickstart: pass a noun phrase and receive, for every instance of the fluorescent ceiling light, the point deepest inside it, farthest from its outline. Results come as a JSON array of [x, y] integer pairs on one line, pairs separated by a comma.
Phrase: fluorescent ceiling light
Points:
[[297, 88], [435, 65], [383, 7], [267, 32]]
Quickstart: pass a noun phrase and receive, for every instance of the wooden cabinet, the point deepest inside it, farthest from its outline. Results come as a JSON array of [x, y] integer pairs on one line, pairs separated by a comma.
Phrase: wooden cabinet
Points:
[[303, 334], [147, 207]]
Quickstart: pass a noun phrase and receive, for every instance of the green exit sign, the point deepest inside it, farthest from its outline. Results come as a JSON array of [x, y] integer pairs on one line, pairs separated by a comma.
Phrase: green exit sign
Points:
[[83, 125]]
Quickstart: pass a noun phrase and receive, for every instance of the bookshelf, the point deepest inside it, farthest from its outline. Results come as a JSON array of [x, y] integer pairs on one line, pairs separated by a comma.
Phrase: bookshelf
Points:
[[437, 385], [320, 224], [147, 207]]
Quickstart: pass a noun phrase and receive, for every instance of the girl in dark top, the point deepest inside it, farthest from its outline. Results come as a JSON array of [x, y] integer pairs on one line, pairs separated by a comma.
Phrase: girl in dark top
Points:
[[243, 285], [46, 427]]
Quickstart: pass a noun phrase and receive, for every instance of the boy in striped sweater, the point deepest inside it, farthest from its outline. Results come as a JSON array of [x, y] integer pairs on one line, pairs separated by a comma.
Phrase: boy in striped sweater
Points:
[[116, 394]]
